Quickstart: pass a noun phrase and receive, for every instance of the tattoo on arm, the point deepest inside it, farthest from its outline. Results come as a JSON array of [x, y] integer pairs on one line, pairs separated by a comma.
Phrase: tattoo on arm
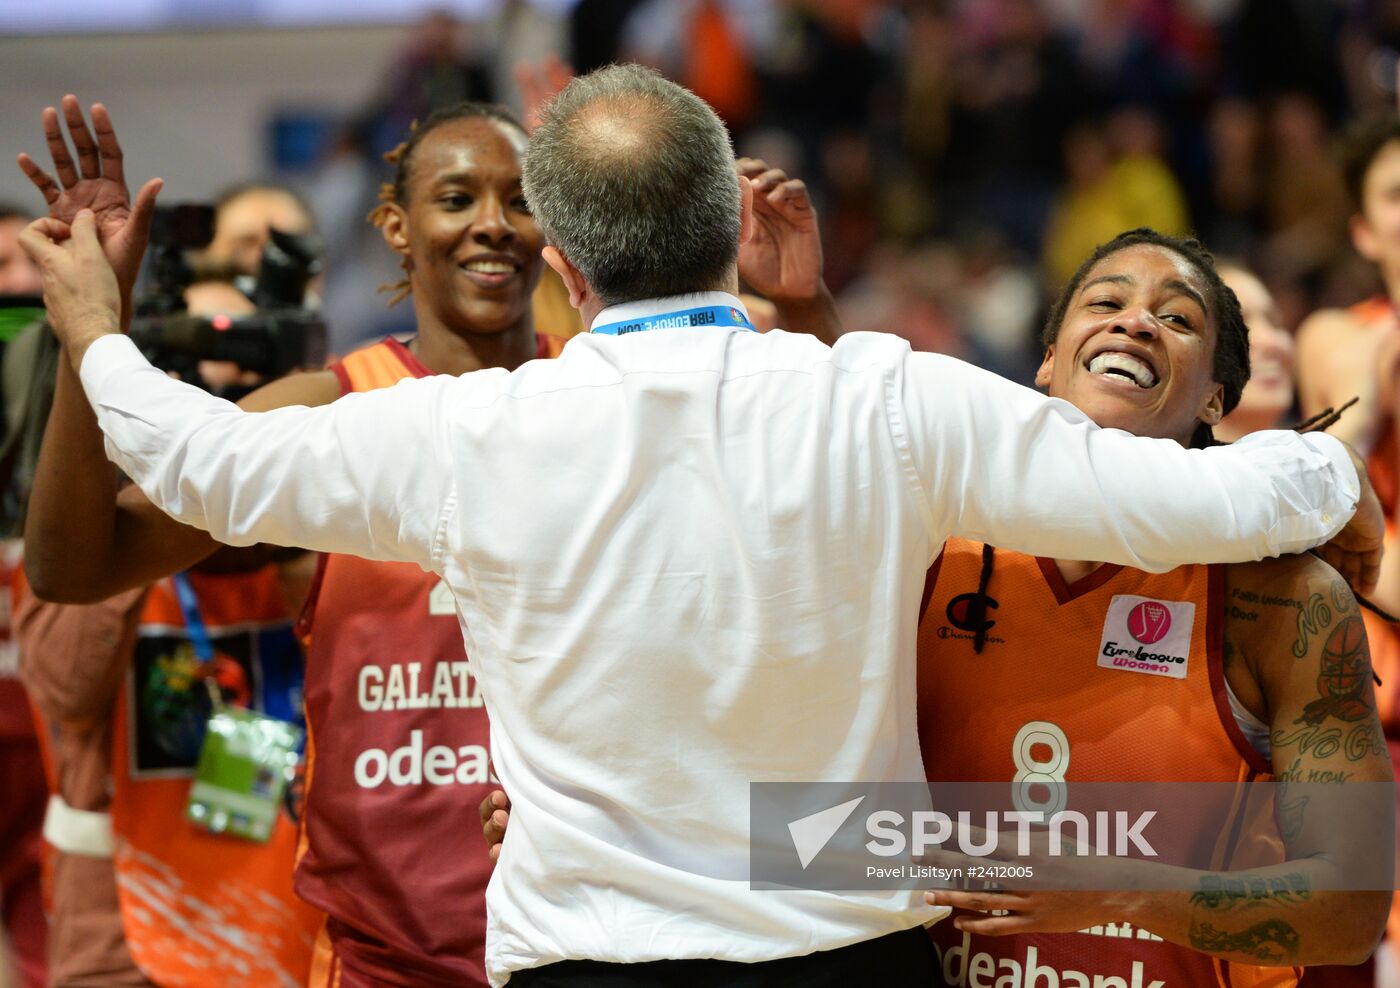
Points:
[[1271, 940], [1344, 676], [1312, 618], [1342, 598], [1290, 811], [1358, 743]]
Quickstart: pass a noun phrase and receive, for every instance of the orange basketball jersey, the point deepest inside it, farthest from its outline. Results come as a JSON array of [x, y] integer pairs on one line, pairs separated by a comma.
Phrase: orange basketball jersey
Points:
[[1383, 462], [1383, 466], [398, 761], [204, 910], [1116, 678]]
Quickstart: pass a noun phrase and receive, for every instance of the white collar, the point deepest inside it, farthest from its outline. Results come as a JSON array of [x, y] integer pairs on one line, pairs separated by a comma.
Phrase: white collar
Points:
[[649, 307]]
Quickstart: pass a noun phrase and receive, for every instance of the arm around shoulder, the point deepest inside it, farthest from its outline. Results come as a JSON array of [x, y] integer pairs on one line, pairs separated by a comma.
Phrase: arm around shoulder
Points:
[[368, 475], [1002, 464]]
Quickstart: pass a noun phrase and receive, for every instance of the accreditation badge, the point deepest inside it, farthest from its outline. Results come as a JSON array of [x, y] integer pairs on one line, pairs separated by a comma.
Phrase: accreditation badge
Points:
[[244, 766]]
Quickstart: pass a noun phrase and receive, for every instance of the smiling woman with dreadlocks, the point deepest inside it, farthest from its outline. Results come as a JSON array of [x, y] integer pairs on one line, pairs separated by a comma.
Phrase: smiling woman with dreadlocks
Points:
[[1105, 674]]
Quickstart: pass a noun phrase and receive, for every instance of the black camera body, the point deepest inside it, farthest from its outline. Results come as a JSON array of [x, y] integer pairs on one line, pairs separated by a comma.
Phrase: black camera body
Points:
[[280, 336]]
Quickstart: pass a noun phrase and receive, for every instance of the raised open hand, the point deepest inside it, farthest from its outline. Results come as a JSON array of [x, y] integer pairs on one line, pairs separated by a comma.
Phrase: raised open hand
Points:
[[783, 258], [96, 182]]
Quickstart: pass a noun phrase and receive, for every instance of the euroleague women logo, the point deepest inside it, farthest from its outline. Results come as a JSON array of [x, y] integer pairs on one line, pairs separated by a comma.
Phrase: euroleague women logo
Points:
[[1149, 622], [1160, 633]]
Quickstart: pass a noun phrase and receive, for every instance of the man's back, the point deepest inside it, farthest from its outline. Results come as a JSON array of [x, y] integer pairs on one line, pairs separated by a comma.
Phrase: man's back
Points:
[[757, 500]]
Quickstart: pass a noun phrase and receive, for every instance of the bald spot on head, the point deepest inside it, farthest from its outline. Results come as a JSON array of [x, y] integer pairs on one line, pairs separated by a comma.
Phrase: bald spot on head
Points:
[[632, 178], [617, 127]]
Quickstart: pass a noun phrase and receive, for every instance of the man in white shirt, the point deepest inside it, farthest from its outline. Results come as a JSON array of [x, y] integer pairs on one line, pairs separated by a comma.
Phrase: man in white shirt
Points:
[[685, 559]]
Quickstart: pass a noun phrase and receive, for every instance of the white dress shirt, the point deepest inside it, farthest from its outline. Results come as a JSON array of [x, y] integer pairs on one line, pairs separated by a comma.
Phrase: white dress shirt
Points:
[[685, 560]]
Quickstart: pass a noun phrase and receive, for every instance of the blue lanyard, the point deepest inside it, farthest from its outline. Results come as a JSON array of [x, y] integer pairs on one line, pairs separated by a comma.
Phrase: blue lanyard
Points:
[[709, 315], [194, 621]]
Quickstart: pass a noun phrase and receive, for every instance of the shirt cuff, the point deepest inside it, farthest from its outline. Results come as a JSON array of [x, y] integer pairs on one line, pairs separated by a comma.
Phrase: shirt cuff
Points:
[[1342, 494], [1349, 484], [106, 356]]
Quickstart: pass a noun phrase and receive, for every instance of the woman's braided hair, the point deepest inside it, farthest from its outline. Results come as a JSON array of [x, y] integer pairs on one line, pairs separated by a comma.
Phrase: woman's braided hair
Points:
[[1231, 359], [395, 191]]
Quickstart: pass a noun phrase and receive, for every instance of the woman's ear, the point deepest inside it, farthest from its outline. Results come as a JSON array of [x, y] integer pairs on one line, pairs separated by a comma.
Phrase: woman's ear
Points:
[[394, 229], [1047, 367], [1214, 408]]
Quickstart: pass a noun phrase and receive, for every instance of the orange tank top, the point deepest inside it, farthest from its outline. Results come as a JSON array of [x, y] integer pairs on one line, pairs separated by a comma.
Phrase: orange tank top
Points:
[[200, 910], [1383, 466], [398, 761], [1117, 678], [1383, 463]]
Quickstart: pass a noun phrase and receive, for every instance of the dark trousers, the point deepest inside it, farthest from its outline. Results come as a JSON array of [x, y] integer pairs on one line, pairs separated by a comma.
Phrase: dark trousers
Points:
[[898, 960]]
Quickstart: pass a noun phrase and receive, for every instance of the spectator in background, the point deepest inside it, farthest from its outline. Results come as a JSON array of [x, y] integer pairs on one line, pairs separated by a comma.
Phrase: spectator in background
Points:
[[909, 293], [243, 217], [1234, 133], [1017, 87], [1305, 198], [439, 65], [928, 87], [18, 274], [1116, 180], [1368, 46], [595, 32], [1268, 396], [819, 75], [22, 797], [1355, 352], [22, 789], [521, 34], [712, 47], [139, 895]]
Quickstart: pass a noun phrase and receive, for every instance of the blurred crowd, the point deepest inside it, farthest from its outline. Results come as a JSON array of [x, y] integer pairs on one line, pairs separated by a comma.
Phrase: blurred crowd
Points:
[[963, 155]]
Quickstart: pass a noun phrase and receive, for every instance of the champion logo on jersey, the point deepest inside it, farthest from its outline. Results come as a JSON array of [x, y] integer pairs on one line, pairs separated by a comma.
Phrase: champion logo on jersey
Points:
[[972, 612], [1141, 634], [968, 614]]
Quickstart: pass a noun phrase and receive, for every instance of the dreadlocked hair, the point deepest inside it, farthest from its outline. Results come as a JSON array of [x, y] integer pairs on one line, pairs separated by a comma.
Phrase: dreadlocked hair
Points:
[[977, 609], [395, 191], [1231, 359]]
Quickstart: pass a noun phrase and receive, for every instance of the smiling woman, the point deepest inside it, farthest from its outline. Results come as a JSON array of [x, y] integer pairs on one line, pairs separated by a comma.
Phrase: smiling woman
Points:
[[1147, 318], [456, 214]]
